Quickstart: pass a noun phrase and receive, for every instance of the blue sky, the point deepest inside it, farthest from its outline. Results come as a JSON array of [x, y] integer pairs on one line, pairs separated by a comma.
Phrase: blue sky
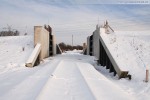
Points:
[[74, 17]]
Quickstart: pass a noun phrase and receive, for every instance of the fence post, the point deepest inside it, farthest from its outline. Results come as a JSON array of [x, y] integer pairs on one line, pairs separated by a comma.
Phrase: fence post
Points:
[[147, 75]]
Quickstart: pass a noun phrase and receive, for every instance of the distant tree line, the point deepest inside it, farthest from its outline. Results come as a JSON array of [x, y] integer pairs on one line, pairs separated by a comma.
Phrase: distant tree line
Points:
[[66, 47], [9, 31]]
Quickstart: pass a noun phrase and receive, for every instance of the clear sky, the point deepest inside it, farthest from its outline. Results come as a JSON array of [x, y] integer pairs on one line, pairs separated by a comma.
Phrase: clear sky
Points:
[[75, 17]]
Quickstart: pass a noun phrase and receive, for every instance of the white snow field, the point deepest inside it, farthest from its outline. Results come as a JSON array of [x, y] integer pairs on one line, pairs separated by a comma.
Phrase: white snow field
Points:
[[73, 76]]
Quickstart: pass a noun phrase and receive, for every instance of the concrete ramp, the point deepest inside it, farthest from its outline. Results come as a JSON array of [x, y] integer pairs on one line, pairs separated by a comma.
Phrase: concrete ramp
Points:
[[34, 55]]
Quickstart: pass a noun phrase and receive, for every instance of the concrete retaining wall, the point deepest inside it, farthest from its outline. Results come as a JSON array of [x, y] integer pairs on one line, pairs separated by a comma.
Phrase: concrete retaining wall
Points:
[[121, 73], [96, 49], [41, 35], [88, 45], [47, 46], [54, 45], [101, 52]]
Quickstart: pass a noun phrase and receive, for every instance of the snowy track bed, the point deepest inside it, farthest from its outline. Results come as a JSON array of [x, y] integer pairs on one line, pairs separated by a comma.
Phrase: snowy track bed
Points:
[[71, 76], [64, 77], [25, 84]]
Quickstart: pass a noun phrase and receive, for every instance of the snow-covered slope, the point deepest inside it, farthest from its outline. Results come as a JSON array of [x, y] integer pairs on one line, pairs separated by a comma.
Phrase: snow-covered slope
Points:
[[132, 51], [12, 55]]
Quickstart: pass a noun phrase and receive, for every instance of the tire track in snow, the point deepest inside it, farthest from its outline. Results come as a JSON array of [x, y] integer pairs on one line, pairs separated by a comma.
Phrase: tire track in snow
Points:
[[67, 84], [34, 81], [101, 87]]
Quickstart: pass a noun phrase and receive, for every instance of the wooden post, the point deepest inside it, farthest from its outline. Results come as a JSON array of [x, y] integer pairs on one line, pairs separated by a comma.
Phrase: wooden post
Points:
[[147, 74]]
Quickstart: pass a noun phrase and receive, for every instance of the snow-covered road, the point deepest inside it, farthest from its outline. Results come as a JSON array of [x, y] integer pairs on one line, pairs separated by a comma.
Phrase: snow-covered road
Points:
[[64, 77]]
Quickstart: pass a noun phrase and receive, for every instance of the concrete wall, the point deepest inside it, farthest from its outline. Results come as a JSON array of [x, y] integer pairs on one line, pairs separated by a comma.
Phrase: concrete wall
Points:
[[84, 45], [96, 48], [88, 45], [91, 45], [54, 45], [41, 35], [121, 73], [96, 51], [47, 46], [84, 49], [95, 43]]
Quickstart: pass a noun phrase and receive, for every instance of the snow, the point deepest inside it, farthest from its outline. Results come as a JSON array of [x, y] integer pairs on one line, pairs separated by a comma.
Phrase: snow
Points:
[[12, 56], [71, 75], [131, 50], [73, 52]]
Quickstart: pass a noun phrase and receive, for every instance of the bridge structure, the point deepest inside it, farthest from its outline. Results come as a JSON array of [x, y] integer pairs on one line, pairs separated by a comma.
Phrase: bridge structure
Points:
[[44, 45], [97, 47]]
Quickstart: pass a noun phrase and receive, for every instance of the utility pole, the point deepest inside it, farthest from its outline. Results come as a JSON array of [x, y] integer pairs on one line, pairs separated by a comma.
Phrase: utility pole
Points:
[[72, 41]]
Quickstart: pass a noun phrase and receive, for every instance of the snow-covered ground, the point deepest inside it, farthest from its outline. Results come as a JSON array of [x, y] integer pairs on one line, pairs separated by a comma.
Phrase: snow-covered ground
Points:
[[64, 77], [132, 51], [72, 76], [12, 55]]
